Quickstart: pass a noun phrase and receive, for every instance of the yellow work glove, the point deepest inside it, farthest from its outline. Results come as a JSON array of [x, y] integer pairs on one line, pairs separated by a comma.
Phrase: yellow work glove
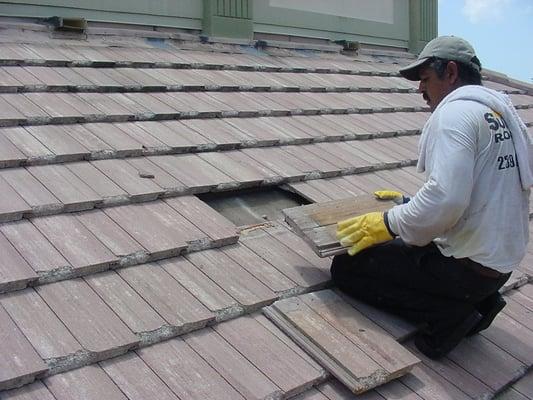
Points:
[[363, 231], [393, 195], [387, 194]]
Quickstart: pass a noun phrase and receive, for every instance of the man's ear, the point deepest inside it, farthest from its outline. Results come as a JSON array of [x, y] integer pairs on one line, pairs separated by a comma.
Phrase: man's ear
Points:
[[452, 72]]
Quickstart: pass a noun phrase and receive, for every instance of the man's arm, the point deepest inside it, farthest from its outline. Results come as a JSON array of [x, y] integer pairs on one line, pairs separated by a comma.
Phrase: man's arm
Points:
[[442, 200]]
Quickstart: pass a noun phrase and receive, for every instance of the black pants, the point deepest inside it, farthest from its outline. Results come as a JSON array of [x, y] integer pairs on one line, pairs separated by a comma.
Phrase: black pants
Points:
[[417, 283]]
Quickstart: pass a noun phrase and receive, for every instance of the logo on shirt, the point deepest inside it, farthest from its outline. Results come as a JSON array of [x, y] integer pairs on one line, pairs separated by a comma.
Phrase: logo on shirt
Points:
[[501, 133], [498, 125]]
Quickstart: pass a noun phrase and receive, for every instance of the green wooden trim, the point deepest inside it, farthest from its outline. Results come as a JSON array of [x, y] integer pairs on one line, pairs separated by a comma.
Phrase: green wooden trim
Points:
[[228, 18], [313, 33], [188, 15], [176, 8], [423, 16], [284, 21]]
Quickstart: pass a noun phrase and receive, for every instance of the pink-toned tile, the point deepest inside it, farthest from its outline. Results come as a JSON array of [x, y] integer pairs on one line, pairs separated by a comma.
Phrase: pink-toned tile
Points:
[[186, 373], [217, 131], [67, 187], [10, 155], [104, 187], [106, 105], [47, 334], [96, 327], [87, 383], [15, 272], [110, 234], [135, 379], [259, 268], [8, 78], [213, 224], [48, 76], [129, 306], [171, 134], [75, 242], [87, 139], [231, 365], [288, 262], [232, 168], [40, 254], [156, 174], [12, 205], [9, 115], [192, 171], [233, 278], [23, 363], [74, 78], [27, 144], [165, 295], [59, 109], [199, 285], [33, 391], [57, 140], [123, 144], [160, 229], [129, 179], [289, 371], [31, 190]]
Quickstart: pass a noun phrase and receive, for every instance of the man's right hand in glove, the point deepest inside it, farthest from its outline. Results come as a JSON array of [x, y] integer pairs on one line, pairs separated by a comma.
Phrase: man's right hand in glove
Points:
[[363, 231]]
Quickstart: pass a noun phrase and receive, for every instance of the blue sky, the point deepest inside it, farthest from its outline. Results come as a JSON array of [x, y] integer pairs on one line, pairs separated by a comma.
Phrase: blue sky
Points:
[[501, 31]]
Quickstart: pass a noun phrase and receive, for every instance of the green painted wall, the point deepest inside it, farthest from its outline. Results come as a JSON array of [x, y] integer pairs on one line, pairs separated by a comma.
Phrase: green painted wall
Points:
[[286, 21], [402, 23], [172, 13]]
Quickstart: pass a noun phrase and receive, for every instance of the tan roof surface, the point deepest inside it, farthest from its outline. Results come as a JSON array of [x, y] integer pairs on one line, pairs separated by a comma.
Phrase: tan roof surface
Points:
[[119, 283]]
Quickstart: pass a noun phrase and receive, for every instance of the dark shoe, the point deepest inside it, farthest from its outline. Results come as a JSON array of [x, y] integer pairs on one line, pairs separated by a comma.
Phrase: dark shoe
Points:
[[437, 346], [489, 308]]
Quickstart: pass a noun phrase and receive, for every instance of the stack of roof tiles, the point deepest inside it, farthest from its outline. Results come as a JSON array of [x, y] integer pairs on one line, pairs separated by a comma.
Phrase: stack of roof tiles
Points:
[[117, 282]]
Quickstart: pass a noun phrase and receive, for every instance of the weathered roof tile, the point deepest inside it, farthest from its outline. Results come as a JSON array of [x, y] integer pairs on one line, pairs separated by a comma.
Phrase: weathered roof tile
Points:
[[22, 364]]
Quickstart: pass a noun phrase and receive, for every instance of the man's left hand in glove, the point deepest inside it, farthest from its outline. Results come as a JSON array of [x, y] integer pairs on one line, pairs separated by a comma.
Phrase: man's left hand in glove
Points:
[[364, 231]]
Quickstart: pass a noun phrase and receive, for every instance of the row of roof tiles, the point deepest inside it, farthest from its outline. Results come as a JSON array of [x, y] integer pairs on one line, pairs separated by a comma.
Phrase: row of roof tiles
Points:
[[57, 143], [17, 79], [39, 108], [248, 357], [48, 189], [172, 57]]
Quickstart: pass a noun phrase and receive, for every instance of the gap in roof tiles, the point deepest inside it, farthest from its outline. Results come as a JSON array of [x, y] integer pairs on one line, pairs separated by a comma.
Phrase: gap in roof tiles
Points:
[[253, 206]]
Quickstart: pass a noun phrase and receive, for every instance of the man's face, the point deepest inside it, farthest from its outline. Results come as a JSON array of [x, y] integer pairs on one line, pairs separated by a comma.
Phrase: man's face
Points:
[[433, 88]]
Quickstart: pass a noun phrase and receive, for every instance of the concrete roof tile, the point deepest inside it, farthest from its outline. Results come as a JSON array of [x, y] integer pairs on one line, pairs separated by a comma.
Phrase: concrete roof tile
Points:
[[34, 391], [44, 330], [23, 363], [126, 303], [94, 383], [31, 244], [88, 318], [15, 272], [186, 373], [233, 278], [135, 379]]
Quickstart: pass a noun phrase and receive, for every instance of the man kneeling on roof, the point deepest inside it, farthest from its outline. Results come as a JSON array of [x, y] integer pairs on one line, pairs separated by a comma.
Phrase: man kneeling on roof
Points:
[[439, 258]]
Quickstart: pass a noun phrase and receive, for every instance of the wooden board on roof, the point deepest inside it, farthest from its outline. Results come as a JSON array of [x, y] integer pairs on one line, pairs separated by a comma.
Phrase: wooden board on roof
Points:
[[345, 342], [317, 223]]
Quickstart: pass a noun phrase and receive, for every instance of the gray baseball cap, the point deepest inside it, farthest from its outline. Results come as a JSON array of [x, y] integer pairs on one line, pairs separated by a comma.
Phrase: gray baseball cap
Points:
[[451, 48]]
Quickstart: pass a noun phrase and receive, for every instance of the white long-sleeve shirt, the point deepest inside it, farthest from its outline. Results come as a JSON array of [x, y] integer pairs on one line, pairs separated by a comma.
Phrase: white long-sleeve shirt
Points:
[[472, 204]]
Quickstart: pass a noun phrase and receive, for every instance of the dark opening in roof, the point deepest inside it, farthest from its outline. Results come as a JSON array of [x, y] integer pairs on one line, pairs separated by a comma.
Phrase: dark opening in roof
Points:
[[253, 206]]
